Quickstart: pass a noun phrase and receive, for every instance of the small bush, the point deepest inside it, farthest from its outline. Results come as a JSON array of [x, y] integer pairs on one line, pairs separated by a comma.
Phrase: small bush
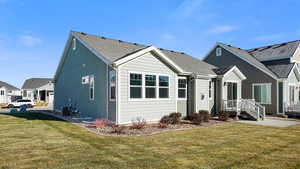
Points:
[[100, 124], [205, 116], [173, 118], [223, 115], [162, 125], [118, 129], [138, 123], [196, 118]]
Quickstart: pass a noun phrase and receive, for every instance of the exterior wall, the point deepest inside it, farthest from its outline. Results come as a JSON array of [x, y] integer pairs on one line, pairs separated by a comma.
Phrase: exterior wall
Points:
[[232, 77], [191, 96], [296, 57], [150, 110], [70, 90], [3, 98], [30, 94], [291, 81], [182, 107], [253, 74], [202, 94], [212, 99]]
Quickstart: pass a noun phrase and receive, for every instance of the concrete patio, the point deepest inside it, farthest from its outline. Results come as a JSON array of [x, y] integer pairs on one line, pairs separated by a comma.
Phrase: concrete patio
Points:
[[273, 122]]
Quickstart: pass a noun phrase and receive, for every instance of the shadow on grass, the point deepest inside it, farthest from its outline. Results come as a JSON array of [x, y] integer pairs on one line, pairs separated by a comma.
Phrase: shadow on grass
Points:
[[32, 116]]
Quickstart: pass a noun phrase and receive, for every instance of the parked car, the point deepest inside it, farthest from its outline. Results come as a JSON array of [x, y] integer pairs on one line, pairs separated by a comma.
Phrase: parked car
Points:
[[20, 102]]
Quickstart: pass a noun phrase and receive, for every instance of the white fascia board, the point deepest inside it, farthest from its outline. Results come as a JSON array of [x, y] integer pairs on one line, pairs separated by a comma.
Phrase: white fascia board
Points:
[[236, 70], [146, 50], [236, 54]]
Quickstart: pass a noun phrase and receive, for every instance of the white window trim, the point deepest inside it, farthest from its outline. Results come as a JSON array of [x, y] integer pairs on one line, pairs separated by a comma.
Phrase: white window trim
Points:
[[294, 85], [156, 85], [92, 77], [218, 51], [177, 88], [112, 85], [144, 87], [210, 89], [261, 84]]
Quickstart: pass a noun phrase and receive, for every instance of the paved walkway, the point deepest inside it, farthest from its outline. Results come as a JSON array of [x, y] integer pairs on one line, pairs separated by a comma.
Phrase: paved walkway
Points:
[[272, 122]]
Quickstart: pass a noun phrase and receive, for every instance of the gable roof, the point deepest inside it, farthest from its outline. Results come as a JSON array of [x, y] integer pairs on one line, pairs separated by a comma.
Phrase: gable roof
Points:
[[8, 86], [34, 83], [114, 50], [222, 70], [277, 51], [244, 55], [282, 70]]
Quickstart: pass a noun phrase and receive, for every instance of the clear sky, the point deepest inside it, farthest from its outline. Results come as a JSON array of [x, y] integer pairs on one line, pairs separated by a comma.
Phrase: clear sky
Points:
[[33, 32]]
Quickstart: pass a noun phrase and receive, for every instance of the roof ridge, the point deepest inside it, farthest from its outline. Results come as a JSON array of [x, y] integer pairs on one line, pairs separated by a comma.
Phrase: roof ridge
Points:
[[273, 45]]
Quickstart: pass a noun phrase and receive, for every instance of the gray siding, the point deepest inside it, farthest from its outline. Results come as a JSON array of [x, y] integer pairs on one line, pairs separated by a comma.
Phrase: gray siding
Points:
[[151, 110], [69, 89], [253, 75], [182, 107], [112, 104]]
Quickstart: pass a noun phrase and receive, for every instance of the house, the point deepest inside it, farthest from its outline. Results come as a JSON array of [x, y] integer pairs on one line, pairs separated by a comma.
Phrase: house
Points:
[[38, 89], [8, 93], [120, 81], [272, 72]]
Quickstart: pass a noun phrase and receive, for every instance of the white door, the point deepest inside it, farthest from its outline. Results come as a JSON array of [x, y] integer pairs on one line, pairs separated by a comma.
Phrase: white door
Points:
[[51, 97]]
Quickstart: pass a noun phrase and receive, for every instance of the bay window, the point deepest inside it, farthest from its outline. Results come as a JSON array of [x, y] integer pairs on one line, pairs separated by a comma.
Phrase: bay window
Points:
[[182, 88], [150, 86], [163, 87], [135, 86], [262, 93]]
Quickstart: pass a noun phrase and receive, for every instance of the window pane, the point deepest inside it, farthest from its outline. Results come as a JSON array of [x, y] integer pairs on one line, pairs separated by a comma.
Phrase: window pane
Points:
[[181, 93], [257, 93], [113, 92], [112, 77], [151, 92], [163, 92], [135, 79], [150, 80], [91, 93], [181, 83], [163, 81], [263, 94], [135, 92]]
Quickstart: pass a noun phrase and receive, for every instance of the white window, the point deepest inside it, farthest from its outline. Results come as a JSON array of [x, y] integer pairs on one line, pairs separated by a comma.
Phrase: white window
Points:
[[219, 52], [112, 83], [292, 93], [210, 90], [163, 86], [2, 93], [262, 93], [182, 88], [150, 86], [135, 86], [92, 87], [74, 44], [24, 93]]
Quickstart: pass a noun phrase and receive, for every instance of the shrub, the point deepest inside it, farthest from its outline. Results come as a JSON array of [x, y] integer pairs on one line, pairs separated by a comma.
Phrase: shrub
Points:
[[118, 129], [205, 116], [138, 123], [162, 125], [100, 124], [223, 115], [173, 118], [196, 118]]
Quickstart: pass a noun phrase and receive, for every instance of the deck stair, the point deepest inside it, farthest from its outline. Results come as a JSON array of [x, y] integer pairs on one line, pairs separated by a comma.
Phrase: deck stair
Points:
[[248, 106]]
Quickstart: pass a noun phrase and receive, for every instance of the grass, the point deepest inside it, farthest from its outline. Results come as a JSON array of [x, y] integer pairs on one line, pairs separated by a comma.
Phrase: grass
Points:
[[37, 141]]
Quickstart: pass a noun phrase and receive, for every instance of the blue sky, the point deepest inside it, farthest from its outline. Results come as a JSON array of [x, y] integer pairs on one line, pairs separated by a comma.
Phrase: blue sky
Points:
[[33, 33]]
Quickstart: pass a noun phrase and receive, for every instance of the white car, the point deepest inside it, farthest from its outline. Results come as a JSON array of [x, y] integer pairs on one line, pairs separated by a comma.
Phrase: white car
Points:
[[20, 102]]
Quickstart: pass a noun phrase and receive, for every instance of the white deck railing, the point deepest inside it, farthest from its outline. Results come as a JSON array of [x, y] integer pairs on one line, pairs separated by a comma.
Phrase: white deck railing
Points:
[[292, 107]]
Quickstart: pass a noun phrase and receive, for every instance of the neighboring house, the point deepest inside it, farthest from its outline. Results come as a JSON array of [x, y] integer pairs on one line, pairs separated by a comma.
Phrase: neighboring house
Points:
[[271, 71], [8, 93], [120, 81], [38, 89]]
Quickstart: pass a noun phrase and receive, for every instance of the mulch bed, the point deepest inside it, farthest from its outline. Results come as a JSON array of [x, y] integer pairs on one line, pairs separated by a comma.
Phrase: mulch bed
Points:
[[149, 129]]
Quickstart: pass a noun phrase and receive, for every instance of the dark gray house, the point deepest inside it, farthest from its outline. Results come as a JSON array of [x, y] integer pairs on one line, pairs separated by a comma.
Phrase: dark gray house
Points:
[[272, 72], [120, 81]]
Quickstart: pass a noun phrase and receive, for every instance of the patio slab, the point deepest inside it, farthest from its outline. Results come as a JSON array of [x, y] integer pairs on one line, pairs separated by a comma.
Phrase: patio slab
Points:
[[272, 122]]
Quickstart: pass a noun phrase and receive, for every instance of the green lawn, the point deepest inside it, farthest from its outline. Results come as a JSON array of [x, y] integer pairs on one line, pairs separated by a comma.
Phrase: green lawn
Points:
[[39, 141]]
